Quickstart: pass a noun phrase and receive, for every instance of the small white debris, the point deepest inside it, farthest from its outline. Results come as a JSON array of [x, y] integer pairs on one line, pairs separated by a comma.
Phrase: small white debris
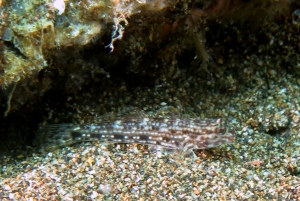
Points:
[[6, 187], [158, 154], [163, 103], [106, 189], [94, 194], [60, 6]]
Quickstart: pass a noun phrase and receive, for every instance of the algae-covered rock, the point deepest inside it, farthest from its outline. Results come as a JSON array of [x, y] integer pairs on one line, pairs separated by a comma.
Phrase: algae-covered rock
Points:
[[32, 29]]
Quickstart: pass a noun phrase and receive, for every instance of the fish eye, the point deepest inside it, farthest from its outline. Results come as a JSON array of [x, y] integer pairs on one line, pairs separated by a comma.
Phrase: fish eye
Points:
[[222, 130]]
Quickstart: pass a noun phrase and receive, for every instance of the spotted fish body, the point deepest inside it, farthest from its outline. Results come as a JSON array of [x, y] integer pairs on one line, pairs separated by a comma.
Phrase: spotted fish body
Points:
[[177, 133]]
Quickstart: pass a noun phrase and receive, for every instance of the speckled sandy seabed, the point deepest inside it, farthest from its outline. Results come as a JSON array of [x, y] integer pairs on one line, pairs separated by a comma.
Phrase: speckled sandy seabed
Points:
[[95, 172], [251, 80], [261, 165]]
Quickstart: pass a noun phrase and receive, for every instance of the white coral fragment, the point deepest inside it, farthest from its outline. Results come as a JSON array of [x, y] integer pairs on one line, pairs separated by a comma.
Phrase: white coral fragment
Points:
[[60, 6]]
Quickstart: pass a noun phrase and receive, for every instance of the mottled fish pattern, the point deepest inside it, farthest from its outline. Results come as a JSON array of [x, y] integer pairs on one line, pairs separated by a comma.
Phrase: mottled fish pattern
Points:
[[177, 133]]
